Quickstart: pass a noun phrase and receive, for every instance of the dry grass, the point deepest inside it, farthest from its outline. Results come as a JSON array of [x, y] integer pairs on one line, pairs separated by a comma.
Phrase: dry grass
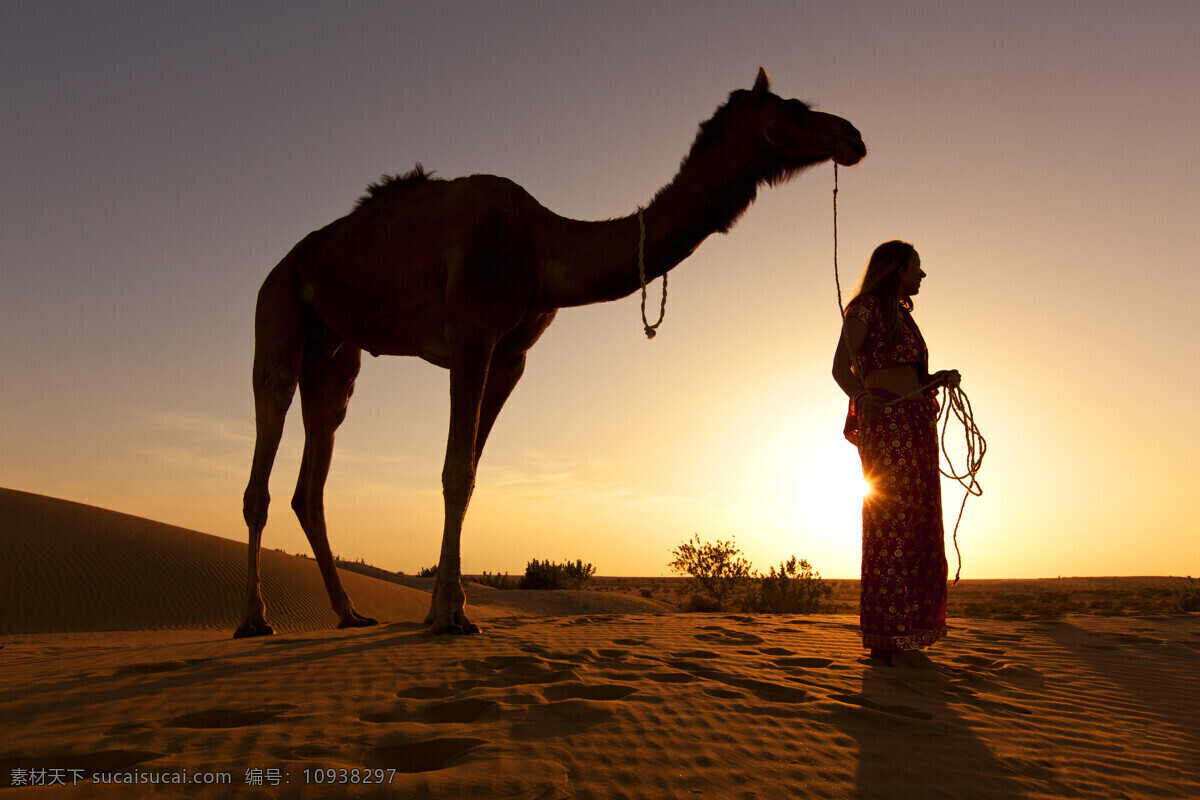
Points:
[[988, 599], [1041, 598]]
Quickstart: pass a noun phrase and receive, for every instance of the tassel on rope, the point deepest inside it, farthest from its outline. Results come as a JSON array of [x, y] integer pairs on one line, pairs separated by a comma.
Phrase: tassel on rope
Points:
[[662, 311]]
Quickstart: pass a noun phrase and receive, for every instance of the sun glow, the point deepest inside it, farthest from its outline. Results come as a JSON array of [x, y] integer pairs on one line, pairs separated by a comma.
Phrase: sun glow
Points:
[[812, 487]]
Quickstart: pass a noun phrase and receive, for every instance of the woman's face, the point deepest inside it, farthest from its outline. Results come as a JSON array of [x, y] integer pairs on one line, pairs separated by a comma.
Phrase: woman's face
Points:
[[911, 274]]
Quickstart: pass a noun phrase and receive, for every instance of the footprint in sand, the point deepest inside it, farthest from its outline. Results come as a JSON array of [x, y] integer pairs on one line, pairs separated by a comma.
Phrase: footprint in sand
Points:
[[410, 757], [613, 655], [696, 654], [313, 752], [583, 691], [470, 709], [518, 670], [572, 712], [721, 635], [763, 690], [669, 677], [228, 718]]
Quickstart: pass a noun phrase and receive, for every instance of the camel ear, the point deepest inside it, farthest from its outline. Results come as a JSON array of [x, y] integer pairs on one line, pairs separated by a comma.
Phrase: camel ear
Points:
[[762, 84]]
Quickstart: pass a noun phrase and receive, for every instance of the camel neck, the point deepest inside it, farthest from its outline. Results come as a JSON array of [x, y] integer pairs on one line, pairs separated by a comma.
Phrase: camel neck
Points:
[[594, 262]]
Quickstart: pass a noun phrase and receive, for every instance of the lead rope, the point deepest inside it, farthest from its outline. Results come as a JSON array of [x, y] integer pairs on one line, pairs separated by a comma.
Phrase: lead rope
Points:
[[662, 310], [954, 400]]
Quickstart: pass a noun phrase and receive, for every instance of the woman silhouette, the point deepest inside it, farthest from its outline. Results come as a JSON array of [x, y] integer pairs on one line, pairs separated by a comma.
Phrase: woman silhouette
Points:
[[882, 364]]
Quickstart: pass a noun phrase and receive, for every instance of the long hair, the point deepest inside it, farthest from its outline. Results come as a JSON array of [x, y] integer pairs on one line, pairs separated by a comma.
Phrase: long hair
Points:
[[882, 279]]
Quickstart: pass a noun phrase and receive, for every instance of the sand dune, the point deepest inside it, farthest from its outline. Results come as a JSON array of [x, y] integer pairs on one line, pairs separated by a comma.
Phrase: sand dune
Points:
[[603, 703], [71, 567]]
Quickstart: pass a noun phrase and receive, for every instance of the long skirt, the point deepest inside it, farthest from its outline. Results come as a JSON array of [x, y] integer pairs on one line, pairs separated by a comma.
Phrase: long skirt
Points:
[[903, 598]]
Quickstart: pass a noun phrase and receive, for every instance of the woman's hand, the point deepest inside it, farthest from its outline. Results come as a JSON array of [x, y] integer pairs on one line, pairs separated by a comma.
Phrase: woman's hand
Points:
[[947, 377], [868, 406]]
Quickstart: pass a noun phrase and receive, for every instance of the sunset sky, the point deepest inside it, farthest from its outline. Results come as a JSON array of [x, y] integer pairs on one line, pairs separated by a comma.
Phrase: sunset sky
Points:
[[1044, 158]]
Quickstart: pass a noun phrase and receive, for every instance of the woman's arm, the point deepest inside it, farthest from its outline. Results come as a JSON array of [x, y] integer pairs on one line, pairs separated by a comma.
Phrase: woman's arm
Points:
[[854, 333], [850, 341]]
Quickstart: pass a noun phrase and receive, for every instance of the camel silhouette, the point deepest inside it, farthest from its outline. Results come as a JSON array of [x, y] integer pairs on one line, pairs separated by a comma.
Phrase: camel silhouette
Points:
[[467, 274]]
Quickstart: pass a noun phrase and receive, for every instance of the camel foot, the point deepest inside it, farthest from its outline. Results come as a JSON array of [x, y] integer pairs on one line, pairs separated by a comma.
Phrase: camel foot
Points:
[[357, 621], [253, 627]]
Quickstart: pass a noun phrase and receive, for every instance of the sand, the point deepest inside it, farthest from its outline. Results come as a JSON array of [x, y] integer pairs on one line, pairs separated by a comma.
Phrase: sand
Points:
[[117, 663]]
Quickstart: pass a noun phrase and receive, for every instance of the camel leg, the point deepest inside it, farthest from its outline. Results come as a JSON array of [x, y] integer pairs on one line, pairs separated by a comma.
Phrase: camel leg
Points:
[[278, 349], [502, 379], [326, 383], [470, 357]]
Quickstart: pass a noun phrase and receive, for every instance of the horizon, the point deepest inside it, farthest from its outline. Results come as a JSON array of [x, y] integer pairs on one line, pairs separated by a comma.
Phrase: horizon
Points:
[[359, 560], [1040, 159]]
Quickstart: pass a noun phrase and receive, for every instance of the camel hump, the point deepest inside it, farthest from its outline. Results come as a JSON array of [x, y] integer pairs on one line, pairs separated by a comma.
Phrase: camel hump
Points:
[[417, 177]]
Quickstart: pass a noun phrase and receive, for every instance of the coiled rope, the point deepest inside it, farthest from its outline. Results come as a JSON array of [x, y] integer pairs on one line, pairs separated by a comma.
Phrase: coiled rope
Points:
[[954, 401]]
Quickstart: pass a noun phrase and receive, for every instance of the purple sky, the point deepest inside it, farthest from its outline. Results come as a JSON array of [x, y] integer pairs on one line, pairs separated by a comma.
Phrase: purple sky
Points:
[[159, 159]]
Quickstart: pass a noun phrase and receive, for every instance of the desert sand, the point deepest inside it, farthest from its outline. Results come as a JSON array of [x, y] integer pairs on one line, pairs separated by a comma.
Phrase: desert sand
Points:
[[117, 664]]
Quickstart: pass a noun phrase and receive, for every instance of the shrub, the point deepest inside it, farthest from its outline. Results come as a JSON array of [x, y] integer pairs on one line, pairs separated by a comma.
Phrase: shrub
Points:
[[545, 575], [716, 570], [497, 581], [427, 572], [794, 589], [1187, 598]]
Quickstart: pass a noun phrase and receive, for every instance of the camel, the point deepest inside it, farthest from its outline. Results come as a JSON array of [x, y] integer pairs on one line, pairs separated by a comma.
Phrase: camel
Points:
[[467, 274]]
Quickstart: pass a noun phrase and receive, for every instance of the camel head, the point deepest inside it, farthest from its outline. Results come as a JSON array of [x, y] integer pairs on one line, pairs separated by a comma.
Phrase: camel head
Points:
[[781, 137]]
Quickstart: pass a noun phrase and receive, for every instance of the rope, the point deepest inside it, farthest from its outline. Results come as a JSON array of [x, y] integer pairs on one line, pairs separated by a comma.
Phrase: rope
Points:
[[954, 401], [662, 311]]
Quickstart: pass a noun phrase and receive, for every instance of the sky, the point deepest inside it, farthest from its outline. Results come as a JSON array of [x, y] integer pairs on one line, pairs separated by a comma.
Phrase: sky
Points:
[[160, 158]]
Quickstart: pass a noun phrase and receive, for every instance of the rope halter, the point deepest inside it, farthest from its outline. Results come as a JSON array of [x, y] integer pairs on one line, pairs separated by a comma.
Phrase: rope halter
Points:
[[662, 310]]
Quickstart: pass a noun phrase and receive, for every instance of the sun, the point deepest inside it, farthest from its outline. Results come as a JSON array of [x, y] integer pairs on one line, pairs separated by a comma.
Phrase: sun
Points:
[[813, 486]]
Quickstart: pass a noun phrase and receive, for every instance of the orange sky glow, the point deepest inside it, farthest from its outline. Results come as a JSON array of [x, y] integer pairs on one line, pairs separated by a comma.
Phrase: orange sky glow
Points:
[[1042, 160]]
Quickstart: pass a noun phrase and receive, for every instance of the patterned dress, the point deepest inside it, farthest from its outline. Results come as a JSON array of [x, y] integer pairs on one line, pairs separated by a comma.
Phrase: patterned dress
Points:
[[903, 598]]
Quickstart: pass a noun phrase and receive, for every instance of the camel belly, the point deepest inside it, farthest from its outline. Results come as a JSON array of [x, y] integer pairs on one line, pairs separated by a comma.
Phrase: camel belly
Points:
[[392, 319]]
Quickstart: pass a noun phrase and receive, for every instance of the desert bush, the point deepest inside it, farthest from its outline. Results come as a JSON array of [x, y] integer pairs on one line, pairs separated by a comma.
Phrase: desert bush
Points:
[[717, 570], [1187, 598], [794, 589], [427, 572], [496, 580], [546, 575]]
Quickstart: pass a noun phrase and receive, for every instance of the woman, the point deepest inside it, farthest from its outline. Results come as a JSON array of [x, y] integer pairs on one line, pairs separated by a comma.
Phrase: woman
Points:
[[882, 365]]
